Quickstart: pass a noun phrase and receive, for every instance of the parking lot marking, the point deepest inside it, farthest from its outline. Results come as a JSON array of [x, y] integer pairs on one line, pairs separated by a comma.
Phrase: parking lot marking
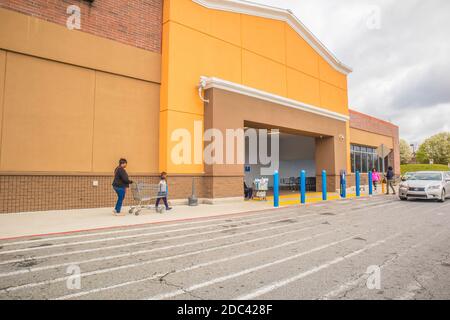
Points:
[[278, 284], [98, 259], [140, 235], [210, 221], [96, 249], [246, 271], [201, 265], [349, 285]]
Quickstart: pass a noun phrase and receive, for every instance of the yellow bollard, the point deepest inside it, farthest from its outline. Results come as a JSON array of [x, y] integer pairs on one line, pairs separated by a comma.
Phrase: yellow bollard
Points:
[[383, 187]]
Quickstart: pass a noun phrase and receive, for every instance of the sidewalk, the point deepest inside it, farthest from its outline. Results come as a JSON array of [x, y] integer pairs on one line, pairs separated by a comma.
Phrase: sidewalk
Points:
[[16, 225], [65, 221]]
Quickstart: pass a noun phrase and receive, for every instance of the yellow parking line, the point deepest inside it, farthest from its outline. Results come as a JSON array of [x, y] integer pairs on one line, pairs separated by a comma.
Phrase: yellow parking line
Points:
[[313, 197]]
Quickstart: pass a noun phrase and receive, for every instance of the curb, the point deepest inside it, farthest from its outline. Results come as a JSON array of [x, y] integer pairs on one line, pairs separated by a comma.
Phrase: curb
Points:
[[180, 220]]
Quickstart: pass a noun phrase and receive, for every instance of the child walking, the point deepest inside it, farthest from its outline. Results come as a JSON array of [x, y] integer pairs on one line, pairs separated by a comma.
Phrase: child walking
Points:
[[375, 178], [162, 194]]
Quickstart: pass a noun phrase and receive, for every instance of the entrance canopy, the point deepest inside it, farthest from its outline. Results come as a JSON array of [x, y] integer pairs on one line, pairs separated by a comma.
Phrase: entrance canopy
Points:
[[227, 109]]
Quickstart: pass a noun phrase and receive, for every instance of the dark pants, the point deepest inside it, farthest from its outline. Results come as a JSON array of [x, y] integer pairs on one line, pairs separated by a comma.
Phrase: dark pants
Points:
[[390, 184], [120, 196], [164, 200], [248, 192]]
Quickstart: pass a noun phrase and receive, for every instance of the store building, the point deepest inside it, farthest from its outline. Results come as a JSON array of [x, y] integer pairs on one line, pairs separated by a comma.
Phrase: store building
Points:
[[72, 102]]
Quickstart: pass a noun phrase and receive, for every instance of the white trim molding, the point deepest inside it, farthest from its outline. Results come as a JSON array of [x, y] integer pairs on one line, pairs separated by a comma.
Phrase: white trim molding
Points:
[[264, 11], [211, 82]]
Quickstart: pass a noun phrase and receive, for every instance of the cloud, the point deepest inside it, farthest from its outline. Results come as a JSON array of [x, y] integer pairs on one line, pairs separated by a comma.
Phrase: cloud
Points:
[[399, 51]]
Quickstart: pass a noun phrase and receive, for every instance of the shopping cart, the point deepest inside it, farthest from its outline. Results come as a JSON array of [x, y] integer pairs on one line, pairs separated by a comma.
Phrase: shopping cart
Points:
[[145, 193], [261, 186]]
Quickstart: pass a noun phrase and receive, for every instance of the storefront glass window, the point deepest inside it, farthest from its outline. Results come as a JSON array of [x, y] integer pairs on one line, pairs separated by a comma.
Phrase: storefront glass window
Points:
[[364, 159]]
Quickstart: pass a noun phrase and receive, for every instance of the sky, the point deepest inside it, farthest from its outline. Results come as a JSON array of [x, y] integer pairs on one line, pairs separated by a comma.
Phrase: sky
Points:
[[399, 52]]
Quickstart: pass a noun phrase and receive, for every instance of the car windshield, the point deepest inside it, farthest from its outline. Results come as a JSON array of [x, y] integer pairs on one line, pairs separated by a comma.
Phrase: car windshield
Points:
[[425, 176]]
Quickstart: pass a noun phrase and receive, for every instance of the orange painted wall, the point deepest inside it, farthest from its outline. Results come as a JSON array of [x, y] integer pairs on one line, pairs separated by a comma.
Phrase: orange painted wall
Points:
[[257, 52]]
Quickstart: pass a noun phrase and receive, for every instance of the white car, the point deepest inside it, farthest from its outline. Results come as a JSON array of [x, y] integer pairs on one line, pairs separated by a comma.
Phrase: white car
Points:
[[425, 185]]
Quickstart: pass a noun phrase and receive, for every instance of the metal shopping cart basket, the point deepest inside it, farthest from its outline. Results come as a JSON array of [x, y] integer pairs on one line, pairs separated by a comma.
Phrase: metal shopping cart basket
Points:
[[261, 187], [143, 194]]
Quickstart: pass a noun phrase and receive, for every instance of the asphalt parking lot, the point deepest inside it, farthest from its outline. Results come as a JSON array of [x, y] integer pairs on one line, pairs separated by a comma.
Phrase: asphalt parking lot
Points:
[[368, 248]]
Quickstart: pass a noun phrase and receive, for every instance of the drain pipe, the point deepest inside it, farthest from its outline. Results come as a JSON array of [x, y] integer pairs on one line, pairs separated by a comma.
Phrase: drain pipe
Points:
[[201, 89]]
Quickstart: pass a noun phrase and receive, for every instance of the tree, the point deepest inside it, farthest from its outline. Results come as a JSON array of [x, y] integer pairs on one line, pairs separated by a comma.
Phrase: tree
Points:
[[436, 148], [421, 156], [405, 152]]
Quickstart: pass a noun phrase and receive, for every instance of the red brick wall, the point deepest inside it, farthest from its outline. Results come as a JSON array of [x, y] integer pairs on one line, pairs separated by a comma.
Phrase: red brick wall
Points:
[[52, 192], [365, 122], [133, 22]]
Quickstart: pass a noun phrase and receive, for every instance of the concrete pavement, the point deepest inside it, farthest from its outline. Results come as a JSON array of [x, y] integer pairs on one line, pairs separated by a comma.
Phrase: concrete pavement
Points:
[[320, 251], [63, 221]]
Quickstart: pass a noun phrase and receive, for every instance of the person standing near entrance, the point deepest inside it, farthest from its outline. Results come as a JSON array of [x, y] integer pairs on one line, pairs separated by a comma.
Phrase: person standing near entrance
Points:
[[390, 180], [120, 184], [248, 192]]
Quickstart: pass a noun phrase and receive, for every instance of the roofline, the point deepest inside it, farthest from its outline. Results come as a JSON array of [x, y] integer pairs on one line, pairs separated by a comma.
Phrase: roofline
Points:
[[265, 11], [373, 118], [212, 82]]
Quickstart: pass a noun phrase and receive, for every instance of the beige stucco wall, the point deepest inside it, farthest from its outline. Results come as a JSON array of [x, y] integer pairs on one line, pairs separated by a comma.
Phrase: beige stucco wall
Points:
[[74, 102], [63, 118], [48, 117], [2, 85], [37, 37], [126, 123], [370, 139]]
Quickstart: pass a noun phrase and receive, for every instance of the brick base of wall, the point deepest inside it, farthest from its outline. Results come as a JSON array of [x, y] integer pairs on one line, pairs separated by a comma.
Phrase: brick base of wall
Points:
[[333, 182], [41, 193]]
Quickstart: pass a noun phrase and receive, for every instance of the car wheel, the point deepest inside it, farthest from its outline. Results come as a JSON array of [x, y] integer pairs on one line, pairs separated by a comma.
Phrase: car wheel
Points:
[[443, 196]]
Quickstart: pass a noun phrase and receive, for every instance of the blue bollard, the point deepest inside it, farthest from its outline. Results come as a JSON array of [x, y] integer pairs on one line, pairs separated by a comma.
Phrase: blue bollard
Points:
[[276, 190], [370, 184], [343, 185], [303, 186], [324, 185], [358, 184]]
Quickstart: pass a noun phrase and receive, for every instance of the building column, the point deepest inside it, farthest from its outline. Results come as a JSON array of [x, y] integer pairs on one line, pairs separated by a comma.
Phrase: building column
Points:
[[331, 155]]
